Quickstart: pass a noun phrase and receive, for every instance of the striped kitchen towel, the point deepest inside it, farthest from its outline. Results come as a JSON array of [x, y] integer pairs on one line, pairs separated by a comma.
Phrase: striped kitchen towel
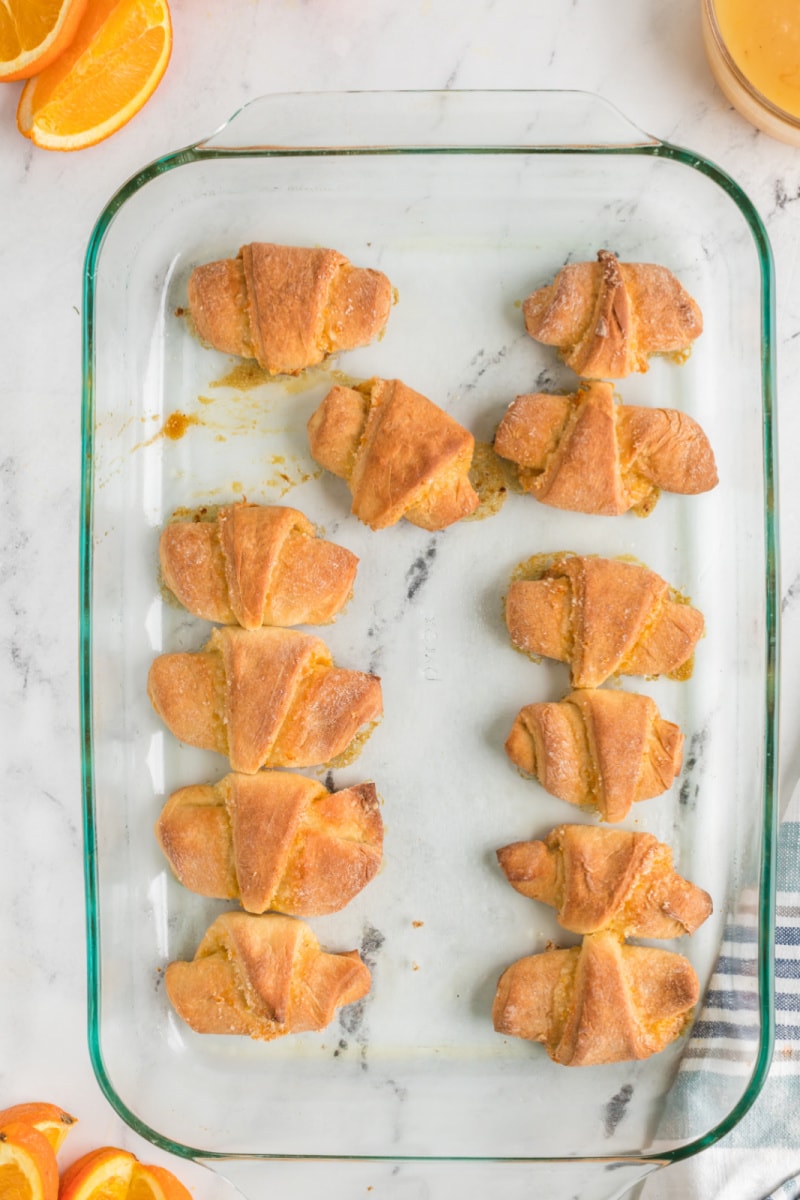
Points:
[[725, 1038], [760, 1158]]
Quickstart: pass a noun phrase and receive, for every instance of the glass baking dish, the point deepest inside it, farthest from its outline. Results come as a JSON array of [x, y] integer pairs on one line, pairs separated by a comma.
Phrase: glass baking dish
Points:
[[467, 201]]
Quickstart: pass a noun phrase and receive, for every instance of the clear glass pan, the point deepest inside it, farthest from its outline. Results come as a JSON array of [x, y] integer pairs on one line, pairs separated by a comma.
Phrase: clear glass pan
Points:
[[468, 201]]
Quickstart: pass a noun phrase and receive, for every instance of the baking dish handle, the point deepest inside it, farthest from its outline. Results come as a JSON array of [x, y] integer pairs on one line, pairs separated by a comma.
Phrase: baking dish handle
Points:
[[411, 120], [384, 1179]]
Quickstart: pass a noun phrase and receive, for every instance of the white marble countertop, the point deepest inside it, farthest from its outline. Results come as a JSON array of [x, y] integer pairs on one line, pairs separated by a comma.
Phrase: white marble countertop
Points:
[[643, 55]]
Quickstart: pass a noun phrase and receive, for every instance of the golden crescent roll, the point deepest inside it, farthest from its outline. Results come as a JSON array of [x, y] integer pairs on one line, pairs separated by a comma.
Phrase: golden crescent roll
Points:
[[600, 1002], [401, 455], [603, 617], [287, 306], [586, 453], [599, 749], [607, 879], [263, 697], [274, 840], [256, 565], [263, 976], [606, 317]]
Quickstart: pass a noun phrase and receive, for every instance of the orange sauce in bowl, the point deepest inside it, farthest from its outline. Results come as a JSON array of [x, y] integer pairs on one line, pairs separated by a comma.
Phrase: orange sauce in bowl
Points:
[[763, 39], [753, 48]]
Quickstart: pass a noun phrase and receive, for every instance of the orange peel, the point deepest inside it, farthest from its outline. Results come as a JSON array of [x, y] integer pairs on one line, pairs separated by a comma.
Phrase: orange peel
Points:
[[49, 1119]]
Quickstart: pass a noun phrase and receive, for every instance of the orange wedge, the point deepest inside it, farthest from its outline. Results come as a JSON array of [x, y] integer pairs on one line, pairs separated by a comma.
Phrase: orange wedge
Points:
[[49, 1119], [103, 1174], [156, 1183], [33, 34], [28, 1168], [108, 72], [112, 1174]]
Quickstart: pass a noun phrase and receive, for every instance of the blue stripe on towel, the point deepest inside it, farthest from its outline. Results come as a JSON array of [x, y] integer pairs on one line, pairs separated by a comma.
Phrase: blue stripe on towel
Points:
[[733, 1000], [725, 1029], [787, 935], [785, 968], [737, 966], [743, 933]]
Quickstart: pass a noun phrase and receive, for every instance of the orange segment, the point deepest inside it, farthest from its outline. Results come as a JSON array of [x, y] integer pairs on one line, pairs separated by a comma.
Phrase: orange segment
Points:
[[28, 1168], [49, 1119], [103, 1174], [34, 32], [108, 72], [111, 1174], [156, 1183]]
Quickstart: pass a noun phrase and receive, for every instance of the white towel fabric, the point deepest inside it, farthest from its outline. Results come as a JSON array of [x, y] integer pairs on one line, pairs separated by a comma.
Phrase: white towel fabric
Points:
[[760, 1158]]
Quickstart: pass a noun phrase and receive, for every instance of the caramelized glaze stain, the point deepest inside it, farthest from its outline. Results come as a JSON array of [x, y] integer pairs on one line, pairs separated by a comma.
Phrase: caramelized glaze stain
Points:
[[174, 428]]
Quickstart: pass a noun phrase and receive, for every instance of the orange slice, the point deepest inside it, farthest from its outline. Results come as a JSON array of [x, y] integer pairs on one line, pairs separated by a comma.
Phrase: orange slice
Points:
[[49, 1119], [112, 1174], [107, 73], [34, 33], [28, 1168]]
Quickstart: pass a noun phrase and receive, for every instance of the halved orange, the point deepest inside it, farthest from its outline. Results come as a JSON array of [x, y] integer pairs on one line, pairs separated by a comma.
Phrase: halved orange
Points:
[[108, 72], [49, 1119], [33, 34], [112, 1174], [28, 1168]]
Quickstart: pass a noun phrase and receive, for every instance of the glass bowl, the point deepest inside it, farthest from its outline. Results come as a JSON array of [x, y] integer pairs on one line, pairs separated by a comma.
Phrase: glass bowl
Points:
[[751, 87]]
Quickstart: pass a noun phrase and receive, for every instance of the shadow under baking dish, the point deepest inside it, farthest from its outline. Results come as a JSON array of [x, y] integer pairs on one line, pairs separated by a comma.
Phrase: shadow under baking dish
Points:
[[467, 201]]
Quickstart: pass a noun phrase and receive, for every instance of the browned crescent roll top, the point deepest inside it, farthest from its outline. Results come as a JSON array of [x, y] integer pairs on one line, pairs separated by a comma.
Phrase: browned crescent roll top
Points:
[[401, 455], [607, 879], [287, 306], [606, 317], [603, 616], [274, 840], [264, 976], [603, 750], [256, 565], [585, 453], [600, 1002], [264, 697]]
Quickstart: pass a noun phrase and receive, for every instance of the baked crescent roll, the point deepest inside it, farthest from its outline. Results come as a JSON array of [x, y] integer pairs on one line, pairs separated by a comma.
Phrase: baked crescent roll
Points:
[[256, 565], [263, 697], [599, 749], [600, 1002], [585, 453], [401, 454], [287, 306], [603, 617], [607, 879], [274, 840], [263, 976], [608, 317]]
